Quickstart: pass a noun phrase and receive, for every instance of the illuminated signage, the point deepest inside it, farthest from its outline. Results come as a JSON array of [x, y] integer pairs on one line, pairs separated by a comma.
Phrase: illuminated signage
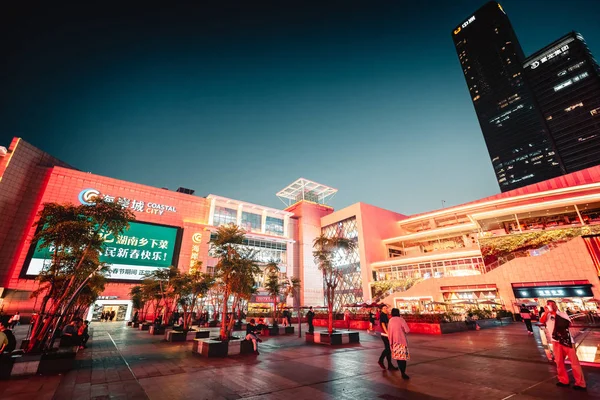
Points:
[[548, 56], [196, 240], [464, 25], [139, 250], [553, 292], [88, 197]]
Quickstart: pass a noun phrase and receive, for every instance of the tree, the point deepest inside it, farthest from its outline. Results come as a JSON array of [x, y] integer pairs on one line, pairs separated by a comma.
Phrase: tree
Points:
[[273, 286], [328, 252], [381, 289], [165, 278], [234, 271], [138, 300], [75, 238]]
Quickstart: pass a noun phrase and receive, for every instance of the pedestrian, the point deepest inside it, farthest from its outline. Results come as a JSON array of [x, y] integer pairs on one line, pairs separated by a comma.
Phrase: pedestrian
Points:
[[289, 318], [102, 317], [371, 319], [251, 334], [387, 352], [310, 315], [557, 325], [112, 315], [397, 330], [8, 342], [15, 320], [286, 316], [541, 312], [83, 334], [347, 319], [526, 317]]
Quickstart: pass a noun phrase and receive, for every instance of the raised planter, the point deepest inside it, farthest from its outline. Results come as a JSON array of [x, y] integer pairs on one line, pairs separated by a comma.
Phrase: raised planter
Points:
[[437, 328], [341, 324], [129, 323], [177, 336], [156, 330], [144, 327], [334, 339], [276, 331], [217, 348], [58, 362], [135, 325]]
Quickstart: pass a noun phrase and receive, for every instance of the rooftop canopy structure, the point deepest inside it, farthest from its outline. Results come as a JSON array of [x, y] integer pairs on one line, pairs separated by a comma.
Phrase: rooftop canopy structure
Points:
[[303, 189]]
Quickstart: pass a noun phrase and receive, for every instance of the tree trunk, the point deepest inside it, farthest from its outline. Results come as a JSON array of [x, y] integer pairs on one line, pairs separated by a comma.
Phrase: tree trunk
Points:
[[224, 334], [330, 293]]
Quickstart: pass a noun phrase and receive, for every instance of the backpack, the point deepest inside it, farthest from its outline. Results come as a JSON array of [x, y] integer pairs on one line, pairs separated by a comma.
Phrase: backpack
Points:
[[12, 341]]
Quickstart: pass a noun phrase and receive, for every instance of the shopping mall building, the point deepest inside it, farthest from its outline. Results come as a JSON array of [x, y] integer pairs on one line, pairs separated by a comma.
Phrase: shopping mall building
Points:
[[525, 245]]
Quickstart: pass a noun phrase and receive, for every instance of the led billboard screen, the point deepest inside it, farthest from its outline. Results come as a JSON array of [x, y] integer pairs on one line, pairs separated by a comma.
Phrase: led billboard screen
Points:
[[139, 250]]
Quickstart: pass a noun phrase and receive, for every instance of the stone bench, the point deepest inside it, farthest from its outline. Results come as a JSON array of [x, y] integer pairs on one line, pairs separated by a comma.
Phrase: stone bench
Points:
[[276, 331], [217, 348], [156, 330], [177, 336], [337, 338]]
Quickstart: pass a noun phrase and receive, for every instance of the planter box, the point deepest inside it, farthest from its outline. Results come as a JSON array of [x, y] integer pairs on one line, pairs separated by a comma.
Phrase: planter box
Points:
[[26, 365], [174, 336], [129, 323], [341, 324], [335, 339], [201, 335], [56, 363], [276, 331], [6, 366], [216, 348], [144, 327], [136, 325], [156, 330]]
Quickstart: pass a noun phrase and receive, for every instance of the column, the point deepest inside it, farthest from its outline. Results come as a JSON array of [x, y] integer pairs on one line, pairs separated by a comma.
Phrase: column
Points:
[[263, 225], [211, 213], [239, 214]]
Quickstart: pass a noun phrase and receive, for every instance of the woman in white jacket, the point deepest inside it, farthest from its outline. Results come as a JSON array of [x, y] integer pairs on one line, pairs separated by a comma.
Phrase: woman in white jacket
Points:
[[397, 330]]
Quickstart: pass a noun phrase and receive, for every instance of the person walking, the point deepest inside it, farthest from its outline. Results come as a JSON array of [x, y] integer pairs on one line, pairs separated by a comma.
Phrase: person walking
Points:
[[286, 318], [347, 319], [387, 352], [112, 315], [397, 330], [310, 315], [526, 317], [371, 319], [557, 327]]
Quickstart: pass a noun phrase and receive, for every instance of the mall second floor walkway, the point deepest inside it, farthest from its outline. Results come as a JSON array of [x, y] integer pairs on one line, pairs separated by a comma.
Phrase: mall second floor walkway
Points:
[[123, 363]]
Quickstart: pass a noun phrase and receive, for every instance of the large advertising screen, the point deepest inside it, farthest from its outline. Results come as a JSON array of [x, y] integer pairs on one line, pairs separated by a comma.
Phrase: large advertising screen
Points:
[[139, 250]]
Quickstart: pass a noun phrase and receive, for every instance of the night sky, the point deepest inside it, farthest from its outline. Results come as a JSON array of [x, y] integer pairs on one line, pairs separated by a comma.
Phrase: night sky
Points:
[[241, 100]]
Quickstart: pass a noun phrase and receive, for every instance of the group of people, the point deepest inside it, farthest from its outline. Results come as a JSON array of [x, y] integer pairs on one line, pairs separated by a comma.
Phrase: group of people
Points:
[[393, 329], [77, 332], [557, 332], [107, 315]]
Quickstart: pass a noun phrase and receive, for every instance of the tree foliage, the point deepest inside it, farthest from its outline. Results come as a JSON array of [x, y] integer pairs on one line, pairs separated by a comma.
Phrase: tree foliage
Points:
[[381, 289], [328, 253], [234, 272], [75, 237]]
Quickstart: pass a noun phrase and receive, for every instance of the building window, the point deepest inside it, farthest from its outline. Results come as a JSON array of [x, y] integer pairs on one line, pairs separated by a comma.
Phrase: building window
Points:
[[224, 216], [251, 222], [274, 226]]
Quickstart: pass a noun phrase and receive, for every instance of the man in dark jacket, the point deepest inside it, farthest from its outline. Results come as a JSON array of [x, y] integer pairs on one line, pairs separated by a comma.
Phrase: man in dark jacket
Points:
[[310, 315], [526, 317], [252, 334]]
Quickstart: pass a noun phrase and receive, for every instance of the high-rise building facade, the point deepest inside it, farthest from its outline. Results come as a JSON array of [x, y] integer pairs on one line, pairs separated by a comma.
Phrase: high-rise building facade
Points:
[[565, 79], [518, 141]]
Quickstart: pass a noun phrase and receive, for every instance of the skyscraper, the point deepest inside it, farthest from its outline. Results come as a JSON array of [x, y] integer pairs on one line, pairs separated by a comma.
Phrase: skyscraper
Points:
[[518, 141], [565, 79]]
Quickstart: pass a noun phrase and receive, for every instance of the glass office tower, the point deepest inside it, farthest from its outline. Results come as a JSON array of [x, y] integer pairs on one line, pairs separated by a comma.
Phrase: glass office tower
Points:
[[518, 142], [565, 79]]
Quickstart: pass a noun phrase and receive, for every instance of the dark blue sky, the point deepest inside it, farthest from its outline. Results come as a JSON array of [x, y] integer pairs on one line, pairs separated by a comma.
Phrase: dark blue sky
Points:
[[367, 97]]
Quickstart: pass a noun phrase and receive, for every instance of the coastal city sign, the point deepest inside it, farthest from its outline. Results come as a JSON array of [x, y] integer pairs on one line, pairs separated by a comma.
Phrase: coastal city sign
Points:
[[139, 250], [88, 197]]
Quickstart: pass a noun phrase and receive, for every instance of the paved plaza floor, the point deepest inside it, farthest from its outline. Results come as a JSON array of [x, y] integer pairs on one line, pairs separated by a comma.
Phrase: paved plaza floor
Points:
[[123, 363]]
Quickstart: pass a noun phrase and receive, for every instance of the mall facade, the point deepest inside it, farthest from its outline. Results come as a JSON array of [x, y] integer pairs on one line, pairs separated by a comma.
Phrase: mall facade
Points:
[[525, 245]]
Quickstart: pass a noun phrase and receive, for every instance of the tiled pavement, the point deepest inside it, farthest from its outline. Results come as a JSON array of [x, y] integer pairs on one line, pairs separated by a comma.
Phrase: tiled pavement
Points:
[[122, 363]]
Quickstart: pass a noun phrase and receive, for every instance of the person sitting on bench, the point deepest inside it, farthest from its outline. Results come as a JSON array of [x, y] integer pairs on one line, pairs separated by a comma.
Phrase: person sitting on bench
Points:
[[252, 334]]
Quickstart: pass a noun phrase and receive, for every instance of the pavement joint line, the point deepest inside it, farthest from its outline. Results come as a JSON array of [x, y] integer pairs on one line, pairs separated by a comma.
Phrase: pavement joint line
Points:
[[530, 387], [126, 363]]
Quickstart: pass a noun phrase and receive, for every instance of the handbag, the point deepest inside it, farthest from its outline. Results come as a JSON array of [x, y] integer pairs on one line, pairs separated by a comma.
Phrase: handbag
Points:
[[400, 352]]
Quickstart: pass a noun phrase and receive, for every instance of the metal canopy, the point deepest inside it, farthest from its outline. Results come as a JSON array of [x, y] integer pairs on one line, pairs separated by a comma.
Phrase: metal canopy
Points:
[[303, 189]]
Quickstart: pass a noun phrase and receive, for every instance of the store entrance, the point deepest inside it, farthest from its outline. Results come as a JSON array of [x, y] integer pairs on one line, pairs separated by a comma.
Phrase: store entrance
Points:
[[121, 310]]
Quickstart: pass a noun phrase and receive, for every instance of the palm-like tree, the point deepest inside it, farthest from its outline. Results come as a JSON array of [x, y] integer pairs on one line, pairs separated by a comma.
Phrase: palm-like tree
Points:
[[234, 271], [327, 250]]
